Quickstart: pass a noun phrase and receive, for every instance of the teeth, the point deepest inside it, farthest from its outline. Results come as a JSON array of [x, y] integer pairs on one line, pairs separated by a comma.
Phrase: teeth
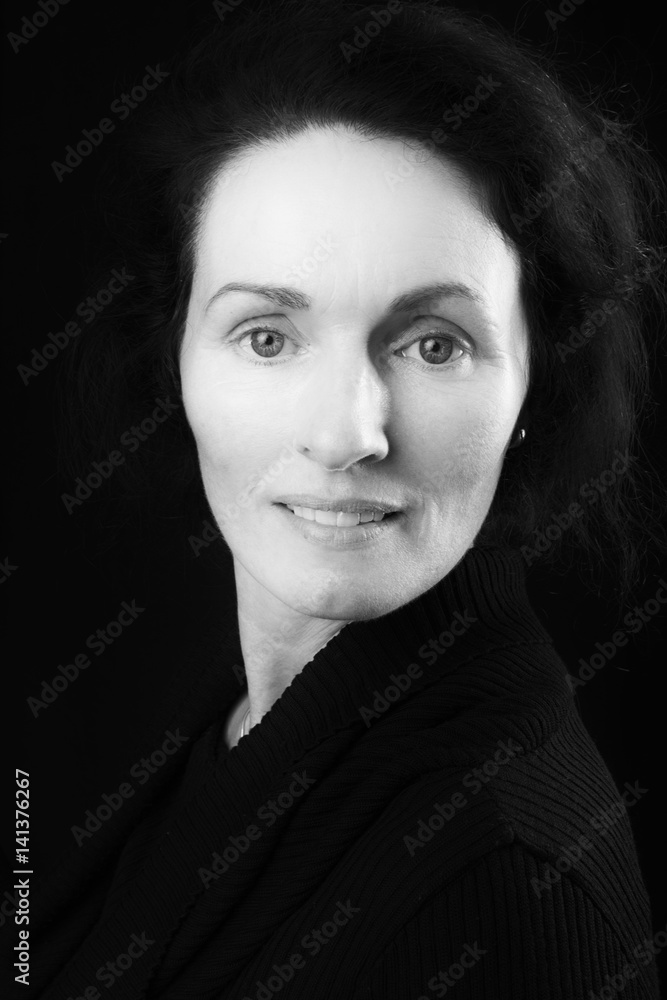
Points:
[[345, 520], [338, 518]]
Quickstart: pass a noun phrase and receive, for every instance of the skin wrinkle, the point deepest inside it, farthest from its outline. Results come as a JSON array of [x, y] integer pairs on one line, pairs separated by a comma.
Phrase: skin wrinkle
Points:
[[363, 421]]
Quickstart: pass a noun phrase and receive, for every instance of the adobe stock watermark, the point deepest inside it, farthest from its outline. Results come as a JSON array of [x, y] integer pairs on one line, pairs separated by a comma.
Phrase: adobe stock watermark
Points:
[[453, 116], [590, 493], [142, 771], [222, 9], [9, 906], [457, 114], [645, 953], [565, 9], [230, 511], [121, 106], [322, 250], [194, 204], [442, 981], [113, 969], [363, 36], [602, 823], [634, 621], [594, 319], [312, 943], [475, 779], [130, 439], [98, 642], [6, 569], [400, 683], [383, 699], [549, 192], [87, 309], [30, 26], [268, 814]]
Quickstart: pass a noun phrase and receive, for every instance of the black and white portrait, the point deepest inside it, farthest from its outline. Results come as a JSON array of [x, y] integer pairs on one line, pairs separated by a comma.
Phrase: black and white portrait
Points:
[[336, 562]]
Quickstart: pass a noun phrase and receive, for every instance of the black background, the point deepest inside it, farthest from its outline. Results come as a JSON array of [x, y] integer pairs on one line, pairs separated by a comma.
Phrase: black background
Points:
[[64, 588]]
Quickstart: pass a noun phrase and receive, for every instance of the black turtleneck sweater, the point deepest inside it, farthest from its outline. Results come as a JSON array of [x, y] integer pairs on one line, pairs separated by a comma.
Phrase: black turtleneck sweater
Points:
[[420, 814]]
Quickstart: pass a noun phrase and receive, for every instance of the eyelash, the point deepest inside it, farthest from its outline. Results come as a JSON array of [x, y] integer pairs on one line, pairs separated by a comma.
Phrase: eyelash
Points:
[[273, 362]]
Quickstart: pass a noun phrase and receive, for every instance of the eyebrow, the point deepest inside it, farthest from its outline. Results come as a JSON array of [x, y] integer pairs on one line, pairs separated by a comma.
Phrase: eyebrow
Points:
[[292, 298]]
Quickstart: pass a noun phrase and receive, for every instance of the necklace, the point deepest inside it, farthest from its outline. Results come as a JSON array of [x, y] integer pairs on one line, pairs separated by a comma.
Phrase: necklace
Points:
[[243, 724]]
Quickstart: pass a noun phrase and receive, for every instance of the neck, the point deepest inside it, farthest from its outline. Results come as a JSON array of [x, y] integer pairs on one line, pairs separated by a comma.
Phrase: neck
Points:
[[277, 642]]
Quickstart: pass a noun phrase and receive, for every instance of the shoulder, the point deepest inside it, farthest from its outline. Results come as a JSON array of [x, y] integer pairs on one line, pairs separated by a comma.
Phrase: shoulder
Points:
[[491, 931], [514, 826]]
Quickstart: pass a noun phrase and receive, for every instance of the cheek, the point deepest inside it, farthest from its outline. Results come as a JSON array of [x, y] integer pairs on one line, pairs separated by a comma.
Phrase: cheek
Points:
[[226, 413], [240, 451], [214, 412], [211, 420], [480, 450], [465, 457]]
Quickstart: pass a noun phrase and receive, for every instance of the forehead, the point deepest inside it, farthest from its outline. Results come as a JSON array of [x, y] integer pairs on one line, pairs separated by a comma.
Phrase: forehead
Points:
[[388, 211]]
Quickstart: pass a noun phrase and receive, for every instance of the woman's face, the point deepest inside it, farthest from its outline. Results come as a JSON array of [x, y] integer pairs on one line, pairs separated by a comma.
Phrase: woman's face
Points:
[[384, 365]]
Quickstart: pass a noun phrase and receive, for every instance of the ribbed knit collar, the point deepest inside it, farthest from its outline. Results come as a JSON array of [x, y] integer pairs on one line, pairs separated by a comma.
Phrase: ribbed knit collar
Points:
[[480, 605]]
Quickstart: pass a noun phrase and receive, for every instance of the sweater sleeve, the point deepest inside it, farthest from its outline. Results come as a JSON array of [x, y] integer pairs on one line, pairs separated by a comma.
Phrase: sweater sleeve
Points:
[[495, 934]]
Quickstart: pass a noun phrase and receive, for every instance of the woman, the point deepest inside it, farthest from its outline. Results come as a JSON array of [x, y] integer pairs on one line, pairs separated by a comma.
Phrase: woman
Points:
[[372, 235]]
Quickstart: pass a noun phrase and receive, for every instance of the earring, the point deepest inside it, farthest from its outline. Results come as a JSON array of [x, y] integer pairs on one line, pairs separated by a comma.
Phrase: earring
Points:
[[518, 438]]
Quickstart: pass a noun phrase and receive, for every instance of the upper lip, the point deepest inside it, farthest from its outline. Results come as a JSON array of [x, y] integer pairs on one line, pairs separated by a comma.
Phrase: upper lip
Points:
[[349, 505]]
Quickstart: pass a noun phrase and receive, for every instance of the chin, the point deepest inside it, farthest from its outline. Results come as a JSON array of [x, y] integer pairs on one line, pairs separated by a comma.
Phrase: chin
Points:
[[349, 597], [334, 596]]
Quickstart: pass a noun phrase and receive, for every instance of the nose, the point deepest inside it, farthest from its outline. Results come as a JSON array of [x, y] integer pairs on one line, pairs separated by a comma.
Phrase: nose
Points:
[[341, 414]]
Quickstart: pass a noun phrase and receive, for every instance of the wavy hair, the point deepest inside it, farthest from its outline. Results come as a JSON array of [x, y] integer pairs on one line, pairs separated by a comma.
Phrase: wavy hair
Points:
[[570, 186]]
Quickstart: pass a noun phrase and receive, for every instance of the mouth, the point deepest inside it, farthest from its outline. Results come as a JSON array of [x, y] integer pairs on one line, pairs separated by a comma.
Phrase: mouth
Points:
[[339, 518], [337, 528]]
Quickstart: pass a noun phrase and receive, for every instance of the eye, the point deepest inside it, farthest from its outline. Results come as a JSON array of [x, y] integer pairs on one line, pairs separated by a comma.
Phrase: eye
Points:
[[436, 349], [263, 343]]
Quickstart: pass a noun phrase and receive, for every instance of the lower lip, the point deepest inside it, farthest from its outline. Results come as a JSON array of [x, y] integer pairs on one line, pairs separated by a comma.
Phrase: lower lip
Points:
[[341, 538]]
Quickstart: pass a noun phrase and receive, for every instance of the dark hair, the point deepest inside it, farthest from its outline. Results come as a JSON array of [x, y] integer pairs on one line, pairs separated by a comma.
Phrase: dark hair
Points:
[[572, 189]]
